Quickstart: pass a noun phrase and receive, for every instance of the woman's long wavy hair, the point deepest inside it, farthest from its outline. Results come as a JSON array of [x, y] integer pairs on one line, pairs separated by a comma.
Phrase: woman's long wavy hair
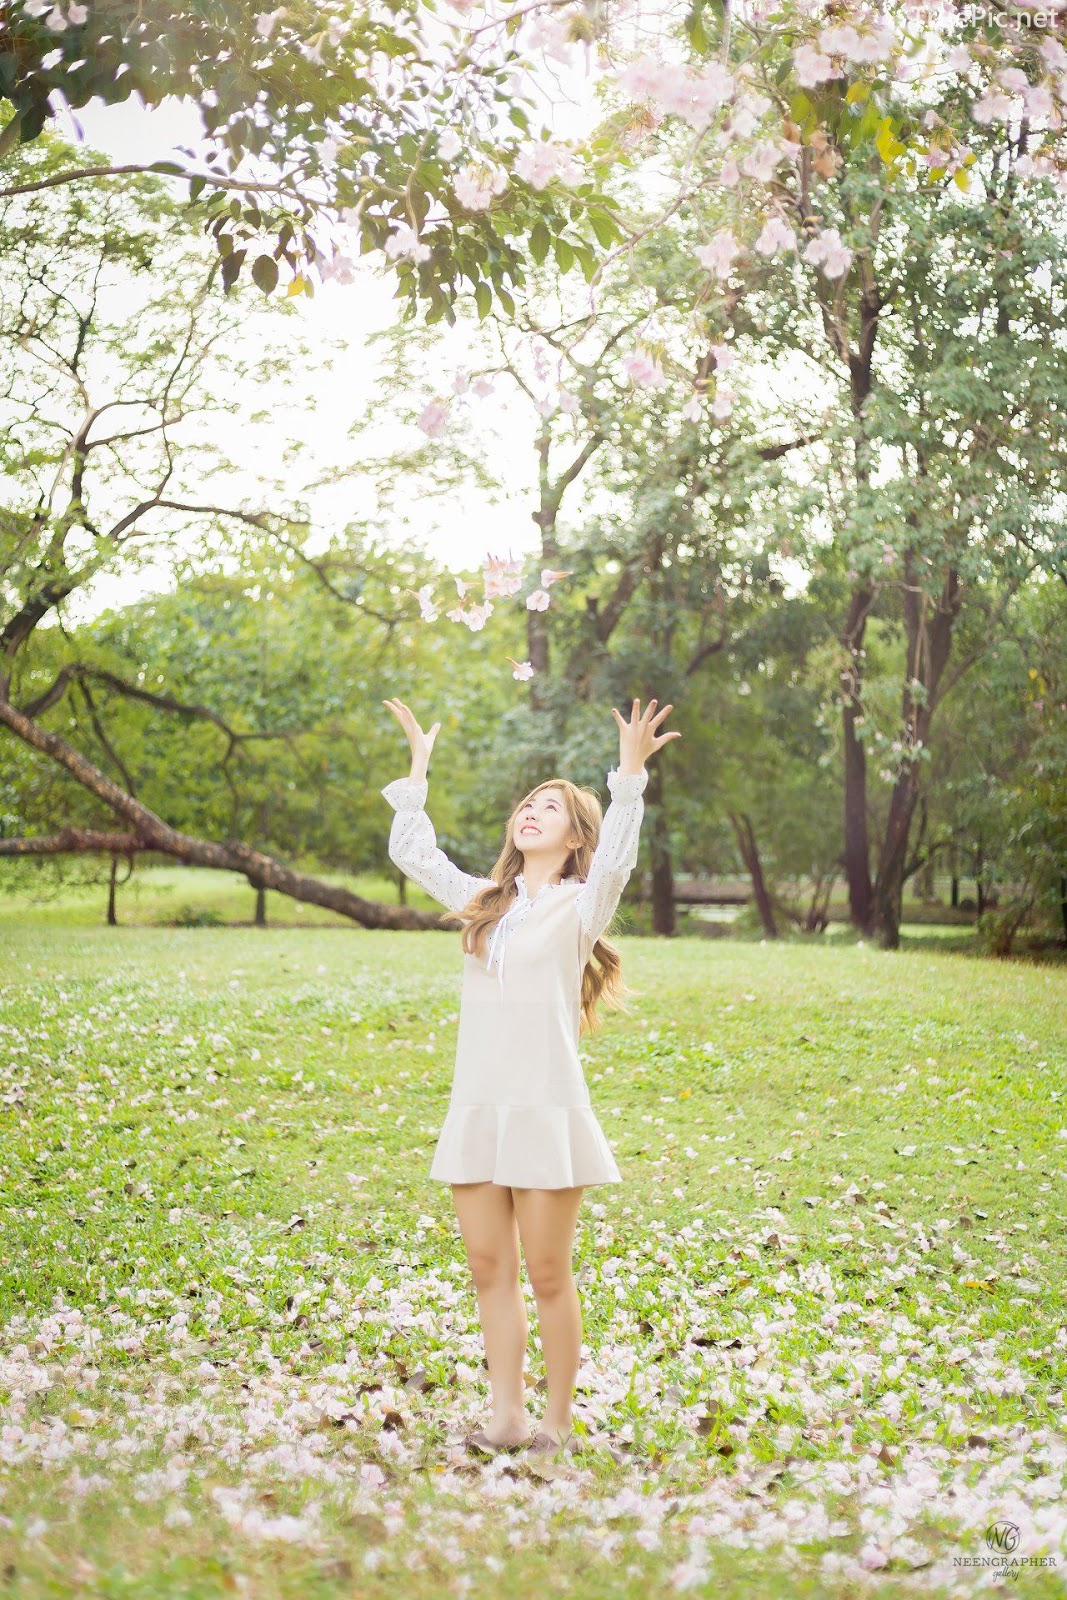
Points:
[[602, 977]]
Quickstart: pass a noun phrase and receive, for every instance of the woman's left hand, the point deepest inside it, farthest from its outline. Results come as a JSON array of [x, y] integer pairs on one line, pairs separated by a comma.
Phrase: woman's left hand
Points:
[[637, 738]]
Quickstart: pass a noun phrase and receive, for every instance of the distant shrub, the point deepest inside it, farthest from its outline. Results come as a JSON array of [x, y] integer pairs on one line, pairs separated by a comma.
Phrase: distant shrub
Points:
[[198, 917]]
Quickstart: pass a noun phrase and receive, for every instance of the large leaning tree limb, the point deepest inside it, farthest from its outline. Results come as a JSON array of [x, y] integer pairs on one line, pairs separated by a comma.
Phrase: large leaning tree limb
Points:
[[148, 832]]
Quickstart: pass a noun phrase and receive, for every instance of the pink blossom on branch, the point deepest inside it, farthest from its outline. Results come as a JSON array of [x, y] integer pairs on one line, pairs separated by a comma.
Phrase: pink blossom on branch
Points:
[[761, 162], [718, 256], [677, 90], [538, 600], [776, 235], [848, 42], [550, 35], [539, 162], [404, 241], [829, 252], [475, 186], [523, 669], [644, 371], [433, 419], [812, 67]]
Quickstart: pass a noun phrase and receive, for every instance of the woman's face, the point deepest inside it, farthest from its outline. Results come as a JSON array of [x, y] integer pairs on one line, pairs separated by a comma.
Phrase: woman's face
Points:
[[542, 829]]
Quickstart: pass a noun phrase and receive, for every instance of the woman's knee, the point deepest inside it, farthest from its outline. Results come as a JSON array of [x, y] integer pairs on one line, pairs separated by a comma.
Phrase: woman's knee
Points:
[[549, 1276], [493, 1269], [490, 1234]]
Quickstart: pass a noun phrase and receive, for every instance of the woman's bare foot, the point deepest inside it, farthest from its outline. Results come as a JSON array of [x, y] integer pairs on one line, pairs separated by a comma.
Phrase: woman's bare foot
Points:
[[507, 1430], [557, 1431]]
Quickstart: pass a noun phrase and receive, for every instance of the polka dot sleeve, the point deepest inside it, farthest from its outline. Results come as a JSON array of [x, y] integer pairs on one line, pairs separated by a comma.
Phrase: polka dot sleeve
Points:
[[615, 855], [413, 847]]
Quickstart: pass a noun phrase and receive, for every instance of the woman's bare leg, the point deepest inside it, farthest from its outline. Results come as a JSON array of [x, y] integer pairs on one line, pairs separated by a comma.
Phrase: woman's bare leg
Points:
[[547, 1219], [487, 1223]]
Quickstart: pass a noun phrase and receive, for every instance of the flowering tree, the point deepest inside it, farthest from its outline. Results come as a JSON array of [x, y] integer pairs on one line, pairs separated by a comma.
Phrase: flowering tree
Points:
[[329, 131], [400, 128], [836, 162]]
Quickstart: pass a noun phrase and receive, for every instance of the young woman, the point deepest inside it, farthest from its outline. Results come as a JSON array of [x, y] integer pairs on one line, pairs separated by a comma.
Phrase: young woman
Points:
[[520, 1142]]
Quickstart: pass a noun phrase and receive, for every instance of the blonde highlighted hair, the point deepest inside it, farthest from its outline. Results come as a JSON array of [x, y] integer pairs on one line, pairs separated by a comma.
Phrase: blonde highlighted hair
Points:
[[602, 978]]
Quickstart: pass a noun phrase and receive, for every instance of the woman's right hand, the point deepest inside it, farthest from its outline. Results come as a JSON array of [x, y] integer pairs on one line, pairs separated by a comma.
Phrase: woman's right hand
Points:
[[421, 743]]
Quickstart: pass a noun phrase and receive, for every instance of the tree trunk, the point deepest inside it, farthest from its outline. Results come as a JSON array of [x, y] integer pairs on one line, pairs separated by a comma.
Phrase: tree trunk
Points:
[[1063, 904], [979, 884], [261, 906], [929, 640], [857, 840], [112, 919], [817, 918], [664, 920], [150, 832], [746, 843], [889, 885]]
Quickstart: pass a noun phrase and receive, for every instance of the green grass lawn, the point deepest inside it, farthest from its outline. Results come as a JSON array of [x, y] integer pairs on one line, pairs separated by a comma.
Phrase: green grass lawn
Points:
[[824, 1313]]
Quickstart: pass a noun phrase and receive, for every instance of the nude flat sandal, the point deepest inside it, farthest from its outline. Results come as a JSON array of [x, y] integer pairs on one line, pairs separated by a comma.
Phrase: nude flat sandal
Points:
[[543, 1444], [480, 1442]]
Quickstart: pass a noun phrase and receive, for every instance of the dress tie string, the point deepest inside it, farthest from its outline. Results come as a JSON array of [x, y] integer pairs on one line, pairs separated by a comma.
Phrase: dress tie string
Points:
[[499, 936], [513, 916]]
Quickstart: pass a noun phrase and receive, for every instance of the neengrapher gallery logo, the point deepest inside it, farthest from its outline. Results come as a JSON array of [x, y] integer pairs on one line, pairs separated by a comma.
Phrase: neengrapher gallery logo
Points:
[[980, 13], [1003, 1539]]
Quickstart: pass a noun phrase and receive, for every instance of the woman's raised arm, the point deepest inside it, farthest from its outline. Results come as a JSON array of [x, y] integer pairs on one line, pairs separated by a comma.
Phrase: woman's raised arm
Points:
[[615, 855], [412, 841], [414, 849]]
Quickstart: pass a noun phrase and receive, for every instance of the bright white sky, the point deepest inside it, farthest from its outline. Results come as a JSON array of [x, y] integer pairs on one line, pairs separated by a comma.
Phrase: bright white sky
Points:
[[458, 532]]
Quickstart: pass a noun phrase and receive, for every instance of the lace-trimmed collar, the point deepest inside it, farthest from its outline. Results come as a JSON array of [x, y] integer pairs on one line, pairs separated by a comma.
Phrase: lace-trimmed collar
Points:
[[520, 884]]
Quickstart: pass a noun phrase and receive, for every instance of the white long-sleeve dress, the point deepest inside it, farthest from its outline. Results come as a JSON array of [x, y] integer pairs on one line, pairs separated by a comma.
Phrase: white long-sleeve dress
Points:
[[519, 1112]]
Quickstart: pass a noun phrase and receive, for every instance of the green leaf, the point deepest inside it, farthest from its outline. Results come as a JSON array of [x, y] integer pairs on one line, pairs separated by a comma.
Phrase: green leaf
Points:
[[694, 27], [231, 267], [483, 299], [888, 145], [265, 273], [540, 240], [586, 260], [564, 254], [605, 228]]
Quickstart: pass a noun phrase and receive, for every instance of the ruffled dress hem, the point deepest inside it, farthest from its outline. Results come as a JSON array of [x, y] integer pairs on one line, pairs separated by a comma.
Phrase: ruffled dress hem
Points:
[[525, 1147]]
